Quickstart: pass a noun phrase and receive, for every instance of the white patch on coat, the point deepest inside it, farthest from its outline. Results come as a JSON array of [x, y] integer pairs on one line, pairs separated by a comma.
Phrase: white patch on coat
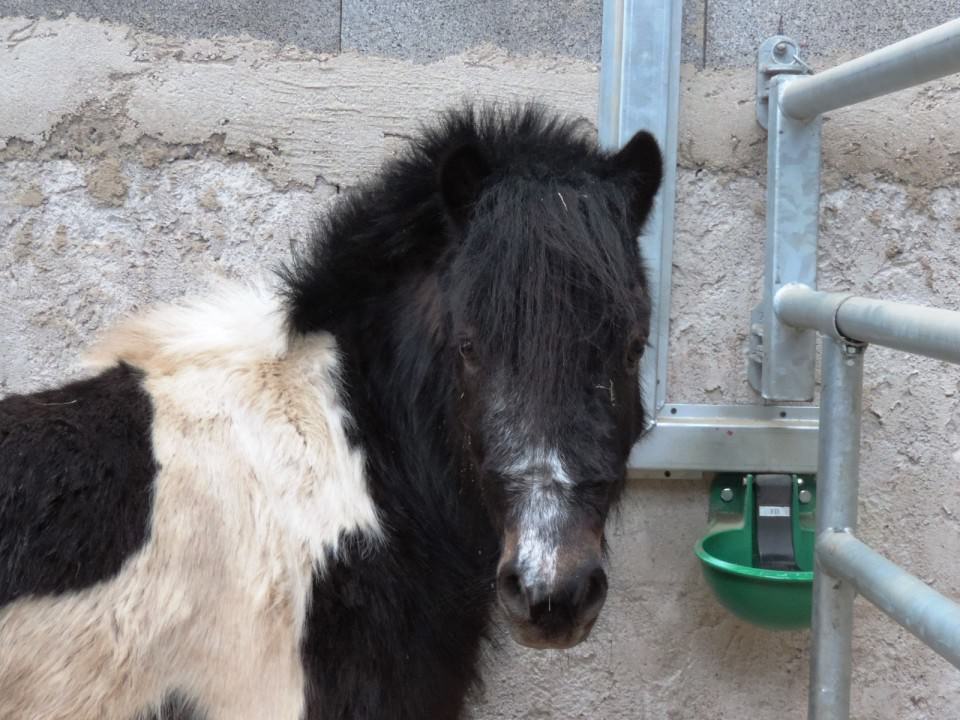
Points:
[[257, 484], [544, 467], [543, 480]]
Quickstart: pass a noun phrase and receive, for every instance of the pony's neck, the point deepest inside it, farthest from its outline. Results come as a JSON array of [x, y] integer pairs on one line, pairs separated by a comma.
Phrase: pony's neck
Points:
[[401, 394]]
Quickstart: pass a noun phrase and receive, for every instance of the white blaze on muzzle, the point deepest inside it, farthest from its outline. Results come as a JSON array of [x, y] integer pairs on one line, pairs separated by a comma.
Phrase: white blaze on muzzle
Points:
[[541, 515]]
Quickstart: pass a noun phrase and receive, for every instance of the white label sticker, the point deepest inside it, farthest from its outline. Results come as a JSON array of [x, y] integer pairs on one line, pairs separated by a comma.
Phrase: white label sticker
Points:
[[774, 511]]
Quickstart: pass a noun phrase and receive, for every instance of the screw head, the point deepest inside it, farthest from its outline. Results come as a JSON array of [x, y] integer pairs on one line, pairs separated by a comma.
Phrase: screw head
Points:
[[805, 496], [780, 49], [726, 494]]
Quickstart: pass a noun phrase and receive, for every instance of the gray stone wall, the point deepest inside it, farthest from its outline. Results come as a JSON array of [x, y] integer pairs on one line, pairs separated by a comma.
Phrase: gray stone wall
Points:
[[147, 145]]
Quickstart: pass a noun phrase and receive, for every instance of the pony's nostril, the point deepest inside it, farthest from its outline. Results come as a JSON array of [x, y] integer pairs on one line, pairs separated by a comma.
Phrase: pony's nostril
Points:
[[512, 595], [596, 591], [555, 607], [511, 584]]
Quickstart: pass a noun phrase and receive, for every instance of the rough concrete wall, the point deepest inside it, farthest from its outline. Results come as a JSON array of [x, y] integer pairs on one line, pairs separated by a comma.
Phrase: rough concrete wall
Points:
[[139, 154]]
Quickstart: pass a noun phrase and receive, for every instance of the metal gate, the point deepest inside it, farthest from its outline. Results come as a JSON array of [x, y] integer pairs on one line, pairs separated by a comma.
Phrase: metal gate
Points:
[[790, 102], [638, 89]]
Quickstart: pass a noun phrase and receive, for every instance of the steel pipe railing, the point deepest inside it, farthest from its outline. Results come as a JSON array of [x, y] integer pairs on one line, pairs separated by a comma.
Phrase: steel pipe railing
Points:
[[781, 364], [912, 328], [838, 476], [918, 59], [911, 602]]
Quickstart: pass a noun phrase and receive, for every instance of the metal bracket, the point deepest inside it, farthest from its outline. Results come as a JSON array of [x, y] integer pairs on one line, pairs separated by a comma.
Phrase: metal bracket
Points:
[[639, 88], [778, 55], [729, 438], [782, 358]]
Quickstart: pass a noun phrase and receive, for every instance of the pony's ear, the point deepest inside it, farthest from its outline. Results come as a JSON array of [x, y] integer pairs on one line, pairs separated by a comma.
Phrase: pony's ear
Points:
[[640, 165], [461, 176]]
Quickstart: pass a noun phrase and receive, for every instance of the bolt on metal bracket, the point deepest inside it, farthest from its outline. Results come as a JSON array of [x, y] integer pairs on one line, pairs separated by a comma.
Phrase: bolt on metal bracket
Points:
[[778, 55], [853, 347]]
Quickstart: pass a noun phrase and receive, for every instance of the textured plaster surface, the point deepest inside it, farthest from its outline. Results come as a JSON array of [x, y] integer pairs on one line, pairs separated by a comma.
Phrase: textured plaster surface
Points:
[[131, 175], [310, 24], [302, 118], [429, 30]]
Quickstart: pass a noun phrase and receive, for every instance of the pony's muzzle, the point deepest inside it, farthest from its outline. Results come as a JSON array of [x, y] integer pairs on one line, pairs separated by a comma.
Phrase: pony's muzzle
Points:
[[558, 614]]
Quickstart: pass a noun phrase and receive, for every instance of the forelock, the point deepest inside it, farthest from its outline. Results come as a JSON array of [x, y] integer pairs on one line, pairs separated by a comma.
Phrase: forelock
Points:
[[548, 276]]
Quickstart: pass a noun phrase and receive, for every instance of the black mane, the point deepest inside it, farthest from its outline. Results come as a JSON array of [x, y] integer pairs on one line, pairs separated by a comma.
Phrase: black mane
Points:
[[395, 222]]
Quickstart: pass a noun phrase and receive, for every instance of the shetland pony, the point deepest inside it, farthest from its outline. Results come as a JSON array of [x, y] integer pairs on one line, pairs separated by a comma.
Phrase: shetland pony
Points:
[[306, 504]]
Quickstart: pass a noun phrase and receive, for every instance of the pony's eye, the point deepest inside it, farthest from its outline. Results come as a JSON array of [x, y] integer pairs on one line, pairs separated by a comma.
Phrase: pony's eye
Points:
[[466, 351], [634, 352]]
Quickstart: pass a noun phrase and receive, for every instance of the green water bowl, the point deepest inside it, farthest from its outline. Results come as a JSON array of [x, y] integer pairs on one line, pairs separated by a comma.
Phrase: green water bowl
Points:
[[772, 599]]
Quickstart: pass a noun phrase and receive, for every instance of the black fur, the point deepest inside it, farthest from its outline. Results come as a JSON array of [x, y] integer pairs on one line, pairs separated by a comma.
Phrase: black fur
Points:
[[66, 456], [498, 253], [176, 706]]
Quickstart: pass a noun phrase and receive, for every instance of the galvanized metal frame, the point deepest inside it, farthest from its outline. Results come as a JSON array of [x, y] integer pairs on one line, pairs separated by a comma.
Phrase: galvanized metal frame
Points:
[[782, 358], [906, 599], [846, 566], [838, 477], [639, 89], [913, 61], [730, 438], [912, 328]]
